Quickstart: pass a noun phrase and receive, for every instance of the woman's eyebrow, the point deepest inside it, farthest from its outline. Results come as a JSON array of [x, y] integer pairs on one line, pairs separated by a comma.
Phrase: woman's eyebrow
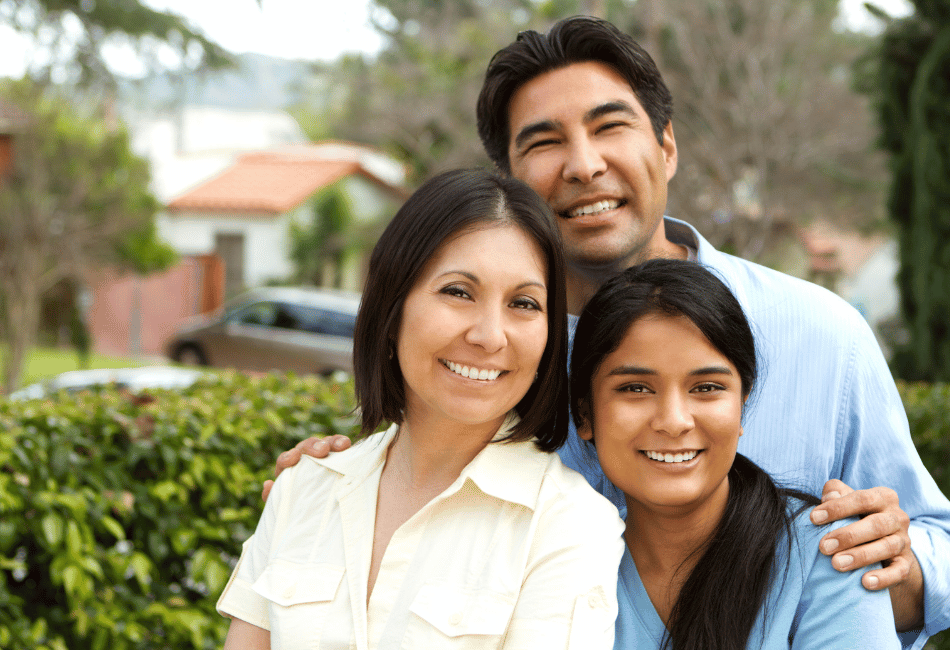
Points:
[[638, 370], [711, 370], [475, 280], [631, 370]]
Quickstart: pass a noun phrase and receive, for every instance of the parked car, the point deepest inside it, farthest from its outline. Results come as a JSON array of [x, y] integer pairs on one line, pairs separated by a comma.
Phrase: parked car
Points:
[[273, 328], [134, 380]]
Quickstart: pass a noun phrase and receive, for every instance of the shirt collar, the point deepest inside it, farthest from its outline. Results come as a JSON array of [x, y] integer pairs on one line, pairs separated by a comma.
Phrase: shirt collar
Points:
[[683, 234], [511, 471]]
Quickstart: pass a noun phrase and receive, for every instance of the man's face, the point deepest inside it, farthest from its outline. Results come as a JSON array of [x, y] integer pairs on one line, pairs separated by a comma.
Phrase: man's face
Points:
[[582, 140]]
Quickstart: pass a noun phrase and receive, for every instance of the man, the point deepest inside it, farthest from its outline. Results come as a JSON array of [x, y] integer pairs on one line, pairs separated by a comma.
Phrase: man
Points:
[[583, 116]]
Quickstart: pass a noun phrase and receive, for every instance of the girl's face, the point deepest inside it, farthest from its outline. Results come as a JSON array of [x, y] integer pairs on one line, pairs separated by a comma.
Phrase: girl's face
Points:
[[474, 327], [666, 410]]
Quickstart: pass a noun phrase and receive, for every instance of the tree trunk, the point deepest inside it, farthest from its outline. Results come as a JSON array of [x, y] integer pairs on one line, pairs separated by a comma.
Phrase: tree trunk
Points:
[[22, 314]]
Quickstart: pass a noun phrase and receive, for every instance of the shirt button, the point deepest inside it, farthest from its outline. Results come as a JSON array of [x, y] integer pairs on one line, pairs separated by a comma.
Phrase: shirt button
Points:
[[290, 591], [455, 618]]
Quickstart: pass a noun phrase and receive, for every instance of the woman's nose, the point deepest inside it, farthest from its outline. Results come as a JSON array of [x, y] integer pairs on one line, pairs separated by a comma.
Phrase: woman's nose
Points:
[[488, 330], [673, 417]]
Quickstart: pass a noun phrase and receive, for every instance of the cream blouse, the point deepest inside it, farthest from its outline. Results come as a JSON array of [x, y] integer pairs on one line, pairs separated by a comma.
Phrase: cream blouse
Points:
[[519, 552]]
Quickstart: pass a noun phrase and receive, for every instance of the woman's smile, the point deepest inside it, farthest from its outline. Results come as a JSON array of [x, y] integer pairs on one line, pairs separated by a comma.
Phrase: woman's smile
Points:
[[471, 372]]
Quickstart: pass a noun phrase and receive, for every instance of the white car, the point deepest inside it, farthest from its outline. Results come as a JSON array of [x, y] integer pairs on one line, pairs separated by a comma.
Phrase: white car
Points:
[[132, 379]]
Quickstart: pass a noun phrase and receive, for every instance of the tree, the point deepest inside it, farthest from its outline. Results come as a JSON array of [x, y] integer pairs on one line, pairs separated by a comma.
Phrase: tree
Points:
[[319, 248], [770, 131], [911, 85], [76, 197], [417, 99], [70, 36]]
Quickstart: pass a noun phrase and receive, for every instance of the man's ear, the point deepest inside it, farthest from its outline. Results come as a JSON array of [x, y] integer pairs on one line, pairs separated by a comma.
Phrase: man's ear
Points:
[[670, 156]]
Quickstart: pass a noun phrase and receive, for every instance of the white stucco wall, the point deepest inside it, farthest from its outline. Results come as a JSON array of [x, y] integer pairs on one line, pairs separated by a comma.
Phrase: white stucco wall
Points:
[[266, 240]]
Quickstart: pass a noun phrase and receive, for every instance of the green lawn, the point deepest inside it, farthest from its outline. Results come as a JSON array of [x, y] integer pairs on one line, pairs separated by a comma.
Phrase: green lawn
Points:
[[46, 362]]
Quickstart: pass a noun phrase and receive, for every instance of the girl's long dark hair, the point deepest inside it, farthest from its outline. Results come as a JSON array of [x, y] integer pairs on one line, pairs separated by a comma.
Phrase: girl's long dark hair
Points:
[[720, 599]]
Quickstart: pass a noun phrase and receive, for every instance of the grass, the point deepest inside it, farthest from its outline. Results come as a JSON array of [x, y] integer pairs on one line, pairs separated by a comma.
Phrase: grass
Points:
[[46, 362]]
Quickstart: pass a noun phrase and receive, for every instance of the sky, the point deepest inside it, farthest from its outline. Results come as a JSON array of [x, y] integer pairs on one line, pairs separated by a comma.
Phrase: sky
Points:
[[304, 29]]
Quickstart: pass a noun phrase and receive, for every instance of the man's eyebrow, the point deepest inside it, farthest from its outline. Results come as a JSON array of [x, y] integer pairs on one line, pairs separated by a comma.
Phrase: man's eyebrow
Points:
[[616, 106], [531, 130]]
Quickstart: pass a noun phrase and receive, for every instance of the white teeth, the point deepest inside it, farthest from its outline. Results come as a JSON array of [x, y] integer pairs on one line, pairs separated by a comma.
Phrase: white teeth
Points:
[[472, 373], [671, 458], [594, 208]]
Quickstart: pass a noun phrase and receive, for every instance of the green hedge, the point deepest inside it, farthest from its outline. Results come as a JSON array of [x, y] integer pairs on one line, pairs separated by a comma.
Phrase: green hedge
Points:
[[928, 411], [120, 517]]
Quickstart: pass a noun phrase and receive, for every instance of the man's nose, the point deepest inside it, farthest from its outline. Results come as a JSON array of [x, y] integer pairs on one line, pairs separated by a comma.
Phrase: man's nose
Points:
[[584, 162]]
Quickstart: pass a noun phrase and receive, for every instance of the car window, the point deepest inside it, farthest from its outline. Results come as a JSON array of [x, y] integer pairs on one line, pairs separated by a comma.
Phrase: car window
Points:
[[323, 321], [259, 313]]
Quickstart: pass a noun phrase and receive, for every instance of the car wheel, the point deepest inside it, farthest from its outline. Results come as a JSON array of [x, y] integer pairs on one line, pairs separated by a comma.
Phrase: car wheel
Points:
[[190, 355]]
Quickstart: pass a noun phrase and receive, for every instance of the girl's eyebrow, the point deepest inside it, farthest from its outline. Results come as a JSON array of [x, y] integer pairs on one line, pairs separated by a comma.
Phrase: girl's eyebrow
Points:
[[637, 370]]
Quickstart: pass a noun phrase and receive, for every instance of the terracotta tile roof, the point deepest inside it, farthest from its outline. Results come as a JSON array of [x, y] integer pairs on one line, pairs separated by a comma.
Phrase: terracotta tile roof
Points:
[[264, 183]]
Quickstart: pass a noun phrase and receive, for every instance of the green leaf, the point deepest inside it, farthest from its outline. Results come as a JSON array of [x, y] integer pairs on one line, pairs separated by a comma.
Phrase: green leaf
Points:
[[52, 529], [113, 527]]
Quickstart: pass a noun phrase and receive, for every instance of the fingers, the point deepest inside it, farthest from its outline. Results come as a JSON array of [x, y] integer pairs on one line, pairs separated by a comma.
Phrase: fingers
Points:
[[321, 447], [268, 484], [851, 503], [834, 489], [894, 573], [312, 446], [848, 558]]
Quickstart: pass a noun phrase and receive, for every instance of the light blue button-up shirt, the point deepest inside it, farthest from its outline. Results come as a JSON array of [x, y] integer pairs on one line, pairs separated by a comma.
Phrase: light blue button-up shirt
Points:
[[825, 407], [808, 605]]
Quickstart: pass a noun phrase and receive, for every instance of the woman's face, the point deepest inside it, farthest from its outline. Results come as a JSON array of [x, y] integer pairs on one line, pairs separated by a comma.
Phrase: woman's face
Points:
[[474, 327], [666, 409]]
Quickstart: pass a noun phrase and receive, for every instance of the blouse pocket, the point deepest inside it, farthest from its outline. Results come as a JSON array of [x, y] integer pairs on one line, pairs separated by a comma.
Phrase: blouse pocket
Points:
[[300, 597], [447, 616]]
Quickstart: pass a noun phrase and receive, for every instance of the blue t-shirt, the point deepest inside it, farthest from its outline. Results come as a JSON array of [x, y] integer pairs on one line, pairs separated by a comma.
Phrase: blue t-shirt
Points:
[[810, 606], [825, 407]]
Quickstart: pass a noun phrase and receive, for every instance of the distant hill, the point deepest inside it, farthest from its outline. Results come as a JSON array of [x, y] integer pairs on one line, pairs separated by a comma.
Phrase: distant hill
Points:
[[258, 82]]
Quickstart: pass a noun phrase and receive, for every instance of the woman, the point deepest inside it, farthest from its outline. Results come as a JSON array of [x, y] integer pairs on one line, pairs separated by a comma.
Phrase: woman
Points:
[[456, 528], [717, 556]]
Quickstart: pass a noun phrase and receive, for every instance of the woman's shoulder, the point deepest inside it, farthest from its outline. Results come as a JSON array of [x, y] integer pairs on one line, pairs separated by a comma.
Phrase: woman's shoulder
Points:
[[566, 487]]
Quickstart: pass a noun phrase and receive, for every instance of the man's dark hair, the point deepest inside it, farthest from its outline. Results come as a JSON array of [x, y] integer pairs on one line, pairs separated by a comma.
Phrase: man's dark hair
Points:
[[446, 206], [572, 40], [721, 597]]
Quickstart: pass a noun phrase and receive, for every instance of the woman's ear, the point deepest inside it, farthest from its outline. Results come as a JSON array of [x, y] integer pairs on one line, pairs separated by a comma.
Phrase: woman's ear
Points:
[[585, 431]]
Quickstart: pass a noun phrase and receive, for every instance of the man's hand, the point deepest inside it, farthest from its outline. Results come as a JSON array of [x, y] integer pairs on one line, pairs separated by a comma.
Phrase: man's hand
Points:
[[312, 446], [880, 536]]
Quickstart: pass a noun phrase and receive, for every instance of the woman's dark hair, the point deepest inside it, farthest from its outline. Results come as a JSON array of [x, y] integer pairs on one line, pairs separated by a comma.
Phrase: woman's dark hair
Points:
[[720, 599], [443, 207], [573, 40]]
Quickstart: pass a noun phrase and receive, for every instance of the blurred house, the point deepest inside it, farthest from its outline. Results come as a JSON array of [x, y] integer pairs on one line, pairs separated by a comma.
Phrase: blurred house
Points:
[[244, 214], [862, 269], [232, 181]]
